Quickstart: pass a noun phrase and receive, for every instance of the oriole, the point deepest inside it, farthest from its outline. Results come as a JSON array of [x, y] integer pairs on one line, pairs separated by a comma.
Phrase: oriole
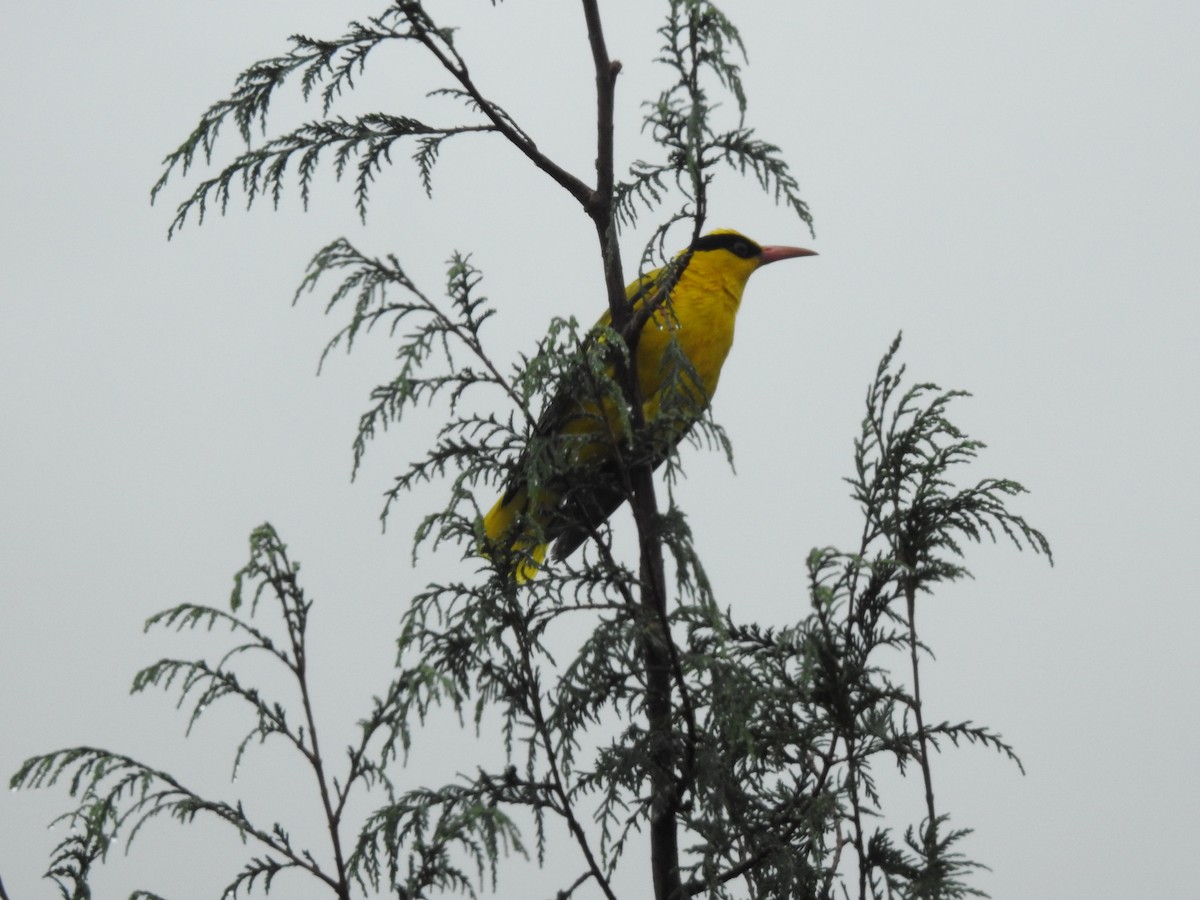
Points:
[[698, 317]]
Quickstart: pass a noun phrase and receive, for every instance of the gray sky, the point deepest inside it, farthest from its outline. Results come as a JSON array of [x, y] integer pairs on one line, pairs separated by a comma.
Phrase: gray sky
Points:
[[1013, 185]]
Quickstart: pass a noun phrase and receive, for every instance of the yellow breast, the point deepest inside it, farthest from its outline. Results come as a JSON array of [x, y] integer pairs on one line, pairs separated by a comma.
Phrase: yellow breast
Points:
[[700, 318]]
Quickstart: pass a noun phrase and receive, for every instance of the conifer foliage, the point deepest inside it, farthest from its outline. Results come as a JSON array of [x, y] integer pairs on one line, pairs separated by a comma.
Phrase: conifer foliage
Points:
[[719, 757]]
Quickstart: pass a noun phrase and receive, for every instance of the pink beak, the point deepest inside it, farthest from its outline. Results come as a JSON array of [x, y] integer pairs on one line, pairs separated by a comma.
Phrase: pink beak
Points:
[[774, 254]]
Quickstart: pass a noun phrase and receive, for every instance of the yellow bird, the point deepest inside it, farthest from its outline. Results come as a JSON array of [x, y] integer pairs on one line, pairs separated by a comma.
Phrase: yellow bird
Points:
[[699, 318]]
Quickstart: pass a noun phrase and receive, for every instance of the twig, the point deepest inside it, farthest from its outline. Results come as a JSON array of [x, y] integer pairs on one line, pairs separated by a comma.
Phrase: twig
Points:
[[453, 63], [910, 593], [296, 628]]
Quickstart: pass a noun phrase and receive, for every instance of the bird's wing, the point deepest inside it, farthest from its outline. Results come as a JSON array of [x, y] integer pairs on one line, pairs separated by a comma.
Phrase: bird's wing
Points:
[[592, 502], [563, 406]]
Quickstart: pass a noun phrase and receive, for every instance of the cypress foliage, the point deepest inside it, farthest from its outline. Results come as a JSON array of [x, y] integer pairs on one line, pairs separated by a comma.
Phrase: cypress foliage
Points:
[[742, 756]]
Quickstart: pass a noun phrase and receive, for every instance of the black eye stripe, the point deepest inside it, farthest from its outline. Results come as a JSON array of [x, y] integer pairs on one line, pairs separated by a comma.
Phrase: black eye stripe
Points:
[[734, 243]]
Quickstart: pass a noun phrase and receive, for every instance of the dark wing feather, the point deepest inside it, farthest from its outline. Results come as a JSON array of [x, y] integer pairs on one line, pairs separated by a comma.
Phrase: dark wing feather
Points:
[[593, 493], [588, 505]]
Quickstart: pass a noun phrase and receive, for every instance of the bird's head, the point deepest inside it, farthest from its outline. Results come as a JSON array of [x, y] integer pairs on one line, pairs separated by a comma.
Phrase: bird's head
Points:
[[739, 255]]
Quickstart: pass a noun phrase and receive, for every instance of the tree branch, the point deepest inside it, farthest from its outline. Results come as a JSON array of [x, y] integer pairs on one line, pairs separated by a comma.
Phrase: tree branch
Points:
[[656, 641], [453, 63]]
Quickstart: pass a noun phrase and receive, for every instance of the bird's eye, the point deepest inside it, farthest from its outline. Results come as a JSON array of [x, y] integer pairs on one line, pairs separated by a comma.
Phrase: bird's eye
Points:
[[742, 249]]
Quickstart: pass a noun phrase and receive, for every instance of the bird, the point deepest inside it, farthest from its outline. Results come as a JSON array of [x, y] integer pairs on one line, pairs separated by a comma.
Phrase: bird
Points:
[[680, 350]]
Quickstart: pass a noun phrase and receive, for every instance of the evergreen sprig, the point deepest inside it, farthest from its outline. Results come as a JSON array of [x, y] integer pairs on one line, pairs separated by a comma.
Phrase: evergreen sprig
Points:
[[903, 459], [436, 824], [331, 63], [700, 47], [263, 171], [117, 795], [326, 68]]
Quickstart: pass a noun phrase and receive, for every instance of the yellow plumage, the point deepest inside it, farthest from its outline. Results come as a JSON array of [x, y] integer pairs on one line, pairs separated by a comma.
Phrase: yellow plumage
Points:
[[699, 317]]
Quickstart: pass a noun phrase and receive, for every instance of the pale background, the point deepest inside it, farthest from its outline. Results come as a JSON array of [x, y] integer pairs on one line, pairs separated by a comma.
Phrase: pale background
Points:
[[1014, 185]]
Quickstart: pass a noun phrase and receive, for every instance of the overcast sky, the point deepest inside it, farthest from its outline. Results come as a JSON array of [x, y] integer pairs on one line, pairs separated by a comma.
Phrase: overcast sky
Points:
[[1014, 185]]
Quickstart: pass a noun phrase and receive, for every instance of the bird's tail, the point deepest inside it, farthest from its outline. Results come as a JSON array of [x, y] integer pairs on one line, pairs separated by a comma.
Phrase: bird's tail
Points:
[[503, 528]]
